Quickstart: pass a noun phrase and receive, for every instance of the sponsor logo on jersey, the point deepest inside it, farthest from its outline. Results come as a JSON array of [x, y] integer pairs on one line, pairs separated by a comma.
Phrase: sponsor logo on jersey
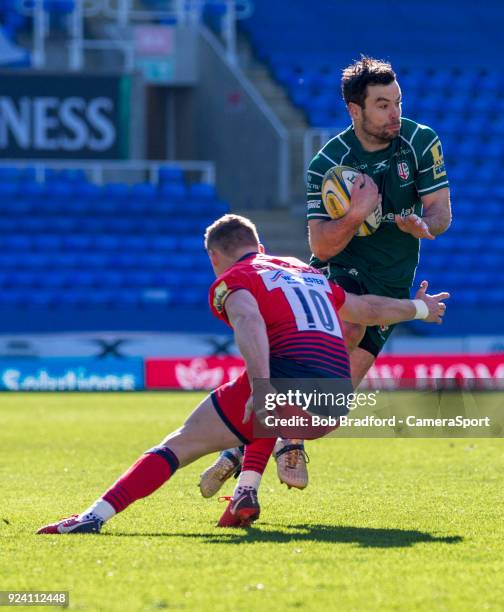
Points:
[[294, 279], [313, 204], [402, 152], [437, 156], [353, 272], [220, 294], [405, 212], [403, 170], [381, 166]]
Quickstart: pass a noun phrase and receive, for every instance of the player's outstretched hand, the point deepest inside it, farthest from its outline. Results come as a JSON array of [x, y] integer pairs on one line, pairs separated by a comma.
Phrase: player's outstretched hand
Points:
[[437, 308], [414, 225], [365, 197]]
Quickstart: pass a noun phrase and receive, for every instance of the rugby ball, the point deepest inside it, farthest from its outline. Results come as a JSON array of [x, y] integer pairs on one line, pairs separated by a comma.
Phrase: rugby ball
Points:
[[336, 195]]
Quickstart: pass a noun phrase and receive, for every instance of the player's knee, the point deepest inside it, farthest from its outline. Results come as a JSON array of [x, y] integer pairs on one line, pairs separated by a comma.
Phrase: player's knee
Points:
[[353, 334]]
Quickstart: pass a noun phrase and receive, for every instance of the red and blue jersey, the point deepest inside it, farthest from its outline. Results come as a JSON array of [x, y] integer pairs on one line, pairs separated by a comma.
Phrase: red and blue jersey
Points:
[[299, 307]]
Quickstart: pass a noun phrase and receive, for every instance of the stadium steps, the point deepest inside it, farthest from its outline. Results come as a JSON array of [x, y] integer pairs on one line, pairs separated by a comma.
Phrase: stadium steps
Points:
[[278, 99], [282, 232]]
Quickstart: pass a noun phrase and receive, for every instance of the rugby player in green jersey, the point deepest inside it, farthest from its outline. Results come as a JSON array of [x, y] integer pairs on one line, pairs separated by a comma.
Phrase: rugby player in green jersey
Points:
[[402, 167], [402, 164]]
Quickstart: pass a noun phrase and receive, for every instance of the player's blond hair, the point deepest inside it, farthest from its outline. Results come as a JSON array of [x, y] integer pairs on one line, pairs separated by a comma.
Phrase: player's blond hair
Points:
[[230, 233]]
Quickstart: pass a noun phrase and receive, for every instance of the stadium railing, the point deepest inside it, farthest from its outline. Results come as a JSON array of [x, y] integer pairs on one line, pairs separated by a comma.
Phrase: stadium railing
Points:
[[124, 13], [314, 139], [99, 169]]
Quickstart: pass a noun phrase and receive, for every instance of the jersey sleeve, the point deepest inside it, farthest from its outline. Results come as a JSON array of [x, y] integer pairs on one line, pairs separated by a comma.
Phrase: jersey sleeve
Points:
[[338, 294], [222, 288], [315, 208], [431, 166]]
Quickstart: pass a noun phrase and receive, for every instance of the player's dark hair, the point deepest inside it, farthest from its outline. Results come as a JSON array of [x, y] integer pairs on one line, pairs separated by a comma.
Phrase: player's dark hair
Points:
[[230, 233], [360, 74]]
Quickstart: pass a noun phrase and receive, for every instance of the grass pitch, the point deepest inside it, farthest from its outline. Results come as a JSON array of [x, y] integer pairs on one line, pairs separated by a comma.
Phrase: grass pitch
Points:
[[385, 524]]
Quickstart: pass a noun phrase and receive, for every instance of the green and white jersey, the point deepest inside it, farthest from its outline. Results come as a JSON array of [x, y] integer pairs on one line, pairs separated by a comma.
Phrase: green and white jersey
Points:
[[409, 168]]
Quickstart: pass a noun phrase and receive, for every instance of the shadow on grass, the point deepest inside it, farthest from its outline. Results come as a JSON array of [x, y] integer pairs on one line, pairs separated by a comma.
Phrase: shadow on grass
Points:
[[366, 537]]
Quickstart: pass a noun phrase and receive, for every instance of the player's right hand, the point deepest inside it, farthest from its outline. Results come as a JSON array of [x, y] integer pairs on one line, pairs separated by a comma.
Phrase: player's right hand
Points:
[[365, 197], [435, 304]]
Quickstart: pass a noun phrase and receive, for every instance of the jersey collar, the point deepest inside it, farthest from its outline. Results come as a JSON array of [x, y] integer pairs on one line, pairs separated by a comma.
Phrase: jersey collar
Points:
[[247, 255], [363, 154]]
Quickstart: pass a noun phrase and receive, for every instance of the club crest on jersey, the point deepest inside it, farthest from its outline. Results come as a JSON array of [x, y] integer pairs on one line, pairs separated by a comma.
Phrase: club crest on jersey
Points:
[[220, 294], [403, 170]]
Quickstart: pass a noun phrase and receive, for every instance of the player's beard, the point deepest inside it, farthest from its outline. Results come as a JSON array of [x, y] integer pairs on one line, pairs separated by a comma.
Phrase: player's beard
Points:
[[378, 135]]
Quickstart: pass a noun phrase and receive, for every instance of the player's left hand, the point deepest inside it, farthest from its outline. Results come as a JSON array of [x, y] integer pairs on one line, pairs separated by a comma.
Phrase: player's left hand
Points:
[[435, 304], [414, 225]]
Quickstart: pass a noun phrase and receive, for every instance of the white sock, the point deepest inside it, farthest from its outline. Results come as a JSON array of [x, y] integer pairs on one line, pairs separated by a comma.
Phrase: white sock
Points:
[[101, 508], [247, 480]]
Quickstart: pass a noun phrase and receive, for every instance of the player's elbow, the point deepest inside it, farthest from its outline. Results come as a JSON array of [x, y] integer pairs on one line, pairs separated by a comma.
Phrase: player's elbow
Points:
[[316, 241], [447, 221], [320, 251]]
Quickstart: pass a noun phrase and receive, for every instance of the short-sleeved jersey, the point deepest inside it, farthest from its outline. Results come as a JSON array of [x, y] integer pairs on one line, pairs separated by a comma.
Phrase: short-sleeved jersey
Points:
[[299, 306], [409, 168]]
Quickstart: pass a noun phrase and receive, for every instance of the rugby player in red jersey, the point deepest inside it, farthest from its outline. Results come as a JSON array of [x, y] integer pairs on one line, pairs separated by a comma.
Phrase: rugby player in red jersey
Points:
[[285, 320]]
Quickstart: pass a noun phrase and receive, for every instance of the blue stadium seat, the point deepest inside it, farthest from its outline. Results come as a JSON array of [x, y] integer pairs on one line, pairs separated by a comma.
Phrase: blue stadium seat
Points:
[[35, 191], [8, 174], [73, 175], [56, 279], [158, 297], [23, 279], [88, 191], [164, 243], [126, 261], [143, 192], [13, 299], [156, 261], [99, 298], [16, 242], [107, 243], [115, 191], [8, 189], [81, 279], [48, 242], [41, 299], [171, 174], [139, 279], [126, 298], [124, 225], [73, 298], [78, 242], [110, 279], [173, 192]]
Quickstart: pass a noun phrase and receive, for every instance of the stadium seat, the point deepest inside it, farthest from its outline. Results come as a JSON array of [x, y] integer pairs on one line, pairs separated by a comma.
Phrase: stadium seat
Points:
[[171, 174], [173, 192]]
